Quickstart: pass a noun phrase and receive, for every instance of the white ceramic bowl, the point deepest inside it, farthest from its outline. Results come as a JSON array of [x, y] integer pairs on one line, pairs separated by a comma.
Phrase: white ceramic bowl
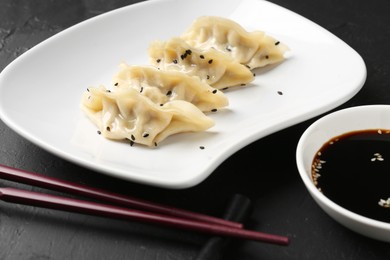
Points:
[[321, 131]]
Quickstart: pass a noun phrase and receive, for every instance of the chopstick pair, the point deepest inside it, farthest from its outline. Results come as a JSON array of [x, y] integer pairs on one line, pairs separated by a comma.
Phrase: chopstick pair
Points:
[[145, 211]]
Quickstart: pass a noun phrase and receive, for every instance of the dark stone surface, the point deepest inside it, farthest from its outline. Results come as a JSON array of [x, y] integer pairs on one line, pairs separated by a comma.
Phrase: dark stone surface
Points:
[[265, 171]]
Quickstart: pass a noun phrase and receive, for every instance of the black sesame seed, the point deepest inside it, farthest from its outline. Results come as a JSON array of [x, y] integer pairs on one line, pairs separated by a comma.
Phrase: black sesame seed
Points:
[[280, 92], [210, 61], [225, 88], [266, 56], [214, 110], [132, 137], [131, 143], [142, 89], [174, 61], [277, 43], [254, 74], [161, 105], [249, 67], [201, 56], [169, 93], [158, 60], [145, 135], [208, 76], [184, 55], [108, 128], [155, 144], [99, 133], [88, 89], [243, 84], [116, 84], [108, 90], [201, 147], [214, 91], [228, 49]]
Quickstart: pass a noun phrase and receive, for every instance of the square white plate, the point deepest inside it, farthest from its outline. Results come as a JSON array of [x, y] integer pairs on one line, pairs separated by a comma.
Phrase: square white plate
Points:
[[40, 92]]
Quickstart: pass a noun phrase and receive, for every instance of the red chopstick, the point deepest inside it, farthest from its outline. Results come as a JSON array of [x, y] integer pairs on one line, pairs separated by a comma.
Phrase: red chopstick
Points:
[[91, 208], [34, 179]]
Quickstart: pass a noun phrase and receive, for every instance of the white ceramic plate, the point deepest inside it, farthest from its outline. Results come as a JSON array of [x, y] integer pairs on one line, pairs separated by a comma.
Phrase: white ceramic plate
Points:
[[41, 90]]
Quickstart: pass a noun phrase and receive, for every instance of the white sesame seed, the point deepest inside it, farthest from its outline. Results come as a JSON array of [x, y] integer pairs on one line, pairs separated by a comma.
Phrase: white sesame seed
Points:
[[384, 203]]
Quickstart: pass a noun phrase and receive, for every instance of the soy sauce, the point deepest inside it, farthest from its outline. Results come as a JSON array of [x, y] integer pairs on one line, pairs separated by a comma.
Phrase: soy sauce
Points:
[[353, 170]]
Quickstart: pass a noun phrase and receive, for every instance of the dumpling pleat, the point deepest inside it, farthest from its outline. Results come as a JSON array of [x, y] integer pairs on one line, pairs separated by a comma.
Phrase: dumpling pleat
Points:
[[162, 86], [211, 66], [253, 49], [126, 114]]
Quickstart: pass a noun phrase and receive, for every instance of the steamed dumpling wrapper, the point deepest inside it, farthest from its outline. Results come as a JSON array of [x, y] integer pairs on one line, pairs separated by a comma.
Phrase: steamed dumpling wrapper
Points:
[[126, 114], [253, 49], [211, 66], [164, 86]]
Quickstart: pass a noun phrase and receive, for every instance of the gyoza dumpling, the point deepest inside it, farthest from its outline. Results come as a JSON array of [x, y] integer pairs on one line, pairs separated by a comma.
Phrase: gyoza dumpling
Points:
[[126, 114], [211, 66], [254, 49], [163, 86]]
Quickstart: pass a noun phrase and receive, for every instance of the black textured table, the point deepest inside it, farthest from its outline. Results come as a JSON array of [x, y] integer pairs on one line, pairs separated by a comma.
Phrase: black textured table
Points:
[[264, 171]]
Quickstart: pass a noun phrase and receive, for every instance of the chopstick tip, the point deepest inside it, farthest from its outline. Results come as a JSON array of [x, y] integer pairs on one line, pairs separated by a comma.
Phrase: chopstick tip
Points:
[[282, 240]]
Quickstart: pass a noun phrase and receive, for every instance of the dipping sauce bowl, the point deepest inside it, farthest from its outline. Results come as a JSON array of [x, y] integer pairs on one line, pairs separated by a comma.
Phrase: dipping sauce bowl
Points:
[[324, 133]]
